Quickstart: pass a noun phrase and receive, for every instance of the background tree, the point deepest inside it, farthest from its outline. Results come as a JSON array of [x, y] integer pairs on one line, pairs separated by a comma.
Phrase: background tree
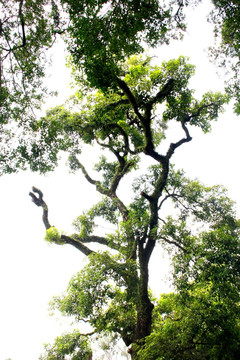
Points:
[[27, 30], [226, 18], [127, 125]]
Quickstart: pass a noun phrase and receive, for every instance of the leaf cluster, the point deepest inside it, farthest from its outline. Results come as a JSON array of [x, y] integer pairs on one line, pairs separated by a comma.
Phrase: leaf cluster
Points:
[[69, 344], [100, 293], [200, 320]]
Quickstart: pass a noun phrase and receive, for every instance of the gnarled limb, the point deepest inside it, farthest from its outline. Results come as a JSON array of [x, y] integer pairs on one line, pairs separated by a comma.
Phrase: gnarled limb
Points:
[[38, 200], [174, 146], [77, 244], [122, 170]]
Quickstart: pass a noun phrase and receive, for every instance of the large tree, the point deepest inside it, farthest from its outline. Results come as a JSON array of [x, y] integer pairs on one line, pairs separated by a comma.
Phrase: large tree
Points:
[[123, 109], [128, 126]]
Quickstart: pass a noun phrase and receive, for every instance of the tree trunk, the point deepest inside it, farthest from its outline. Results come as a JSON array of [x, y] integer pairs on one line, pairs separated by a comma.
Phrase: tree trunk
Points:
[[144, 306]]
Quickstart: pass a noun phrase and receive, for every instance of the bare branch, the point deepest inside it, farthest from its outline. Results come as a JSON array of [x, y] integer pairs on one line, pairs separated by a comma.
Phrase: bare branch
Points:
[[174, 146], [38, 200]]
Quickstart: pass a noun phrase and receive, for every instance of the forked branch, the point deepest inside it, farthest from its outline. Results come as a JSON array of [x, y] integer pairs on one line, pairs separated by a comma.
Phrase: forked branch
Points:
[[38, 200]]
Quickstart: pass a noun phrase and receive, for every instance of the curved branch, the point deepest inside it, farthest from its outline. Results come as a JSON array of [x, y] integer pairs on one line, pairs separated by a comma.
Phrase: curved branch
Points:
[[174, 146], [130, 97], [172, 242], [122, 170], [38, 200], [77, 244]]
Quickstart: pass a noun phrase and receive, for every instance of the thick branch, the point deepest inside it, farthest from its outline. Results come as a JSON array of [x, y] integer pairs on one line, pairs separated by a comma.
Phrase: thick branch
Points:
[[22, 23], [164, 92], [174, 146], [92, 238], [130, 97], [38, 200], [77, 244], [85, 173]]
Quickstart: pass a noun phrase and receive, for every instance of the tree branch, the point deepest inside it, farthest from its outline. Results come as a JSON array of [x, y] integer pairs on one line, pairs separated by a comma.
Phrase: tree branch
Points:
[[38, 200], [165, 91], [130, 97], [20, 14], [174, 146], [172, 242], [77, 244]]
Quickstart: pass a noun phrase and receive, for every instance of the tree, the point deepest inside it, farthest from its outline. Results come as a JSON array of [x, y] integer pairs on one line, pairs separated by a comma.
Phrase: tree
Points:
[[226, 18], [92, 30], [27, 30], [129, 125], [123, 113]]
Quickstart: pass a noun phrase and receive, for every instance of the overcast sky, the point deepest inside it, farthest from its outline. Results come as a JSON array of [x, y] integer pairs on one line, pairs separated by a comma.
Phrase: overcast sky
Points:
[[31, 271]]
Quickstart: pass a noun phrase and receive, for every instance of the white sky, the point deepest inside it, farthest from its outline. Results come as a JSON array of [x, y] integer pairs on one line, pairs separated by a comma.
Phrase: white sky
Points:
[[31, 272]]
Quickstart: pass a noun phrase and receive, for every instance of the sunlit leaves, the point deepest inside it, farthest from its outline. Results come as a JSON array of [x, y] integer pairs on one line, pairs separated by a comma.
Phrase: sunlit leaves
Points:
[[84, 224], [99, 293], [69, 345], [208, 204], [117, 123], [26, 31], [53, 236], [198, 325]]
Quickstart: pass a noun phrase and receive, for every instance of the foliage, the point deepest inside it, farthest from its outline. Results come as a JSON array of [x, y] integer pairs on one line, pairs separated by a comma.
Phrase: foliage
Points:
[[103, 294], [99, 29], [68, 346], [123, 108], [226, 18], [52, 235], [127, 125], [27, 30], [99, 35], [201, 320]]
